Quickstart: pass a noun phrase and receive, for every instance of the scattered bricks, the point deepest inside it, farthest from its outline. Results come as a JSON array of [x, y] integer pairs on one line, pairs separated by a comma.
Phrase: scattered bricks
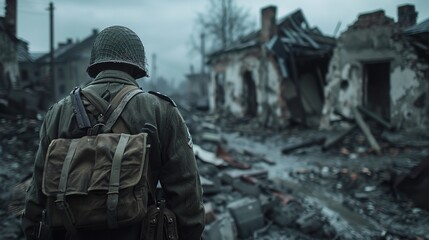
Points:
[[222, 228], [223, 154]]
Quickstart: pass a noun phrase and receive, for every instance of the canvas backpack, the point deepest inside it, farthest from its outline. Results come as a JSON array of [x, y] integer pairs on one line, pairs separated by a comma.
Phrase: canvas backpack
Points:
[[100, 180]]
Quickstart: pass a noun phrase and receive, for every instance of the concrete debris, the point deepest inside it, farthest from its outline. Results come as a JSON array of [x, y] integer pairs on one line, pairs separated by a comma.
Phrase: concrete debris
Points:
[[229, 176], [211, 137], [342, 192], [18, 145], [207, 156], [223, 228], [247, 215], [415, 184]]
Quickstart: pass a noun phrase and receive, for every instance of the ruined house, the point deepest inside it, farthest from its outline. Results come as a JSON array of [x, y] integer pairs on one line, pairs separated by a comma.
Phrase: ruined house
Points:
[[13, 98], [197, 89], [9, 72], [275, 74], [70, 62], [383, 66]]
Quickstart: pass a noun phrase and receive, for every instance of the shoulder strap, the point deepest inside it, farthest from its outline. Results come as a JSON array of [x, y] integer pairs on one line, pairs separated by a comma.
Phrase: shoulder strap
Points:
[[114, 115], [108, 113]]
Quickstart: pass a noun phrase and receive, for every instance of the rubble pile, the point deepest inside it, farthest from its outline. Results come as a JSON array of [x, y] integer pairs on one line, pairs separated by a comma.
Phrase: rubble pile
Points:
[[343, 191], [18, 146], [266, 184]]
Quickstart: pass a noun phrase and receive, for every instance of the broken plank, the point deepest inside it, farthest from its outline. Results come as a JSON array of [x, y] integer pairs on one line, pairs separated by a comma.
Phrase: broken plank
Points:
[[366, 131], [309, 143], [376, 118], [223, 154], [336, 139]]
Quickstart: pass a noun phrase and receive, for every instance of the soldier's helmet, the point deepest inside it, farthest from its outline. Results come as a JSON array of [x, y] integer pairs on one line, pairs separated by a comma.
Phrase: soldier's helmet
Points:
[[118, 44]]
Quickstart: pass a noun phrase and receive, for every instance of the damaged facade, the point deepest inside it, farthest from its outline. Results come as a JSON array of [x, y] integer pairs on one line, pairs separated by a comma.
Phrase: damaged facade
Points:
[[9, 72], [13, 95], [274, 74], [383, 66]]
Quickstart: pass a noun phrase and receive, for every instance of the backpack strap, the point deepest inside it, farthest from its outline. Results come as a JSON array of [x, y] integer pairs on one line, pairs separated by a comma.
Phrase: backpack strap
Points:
[[116, 113], [61, 202], [108, 113], [113, 190]]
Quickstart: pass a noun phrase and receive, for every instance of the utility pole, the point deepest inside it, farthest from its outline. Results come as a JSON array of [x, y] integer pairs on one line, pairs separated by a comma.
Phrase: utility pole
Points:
[[203, 53], [51, 55]]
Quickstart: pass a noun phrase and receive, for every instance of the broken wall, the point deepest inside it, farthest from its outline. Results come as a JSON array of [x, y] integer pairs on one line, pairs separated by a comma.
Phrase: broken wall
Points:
[[229, 71], [8, 63], [348, 75]]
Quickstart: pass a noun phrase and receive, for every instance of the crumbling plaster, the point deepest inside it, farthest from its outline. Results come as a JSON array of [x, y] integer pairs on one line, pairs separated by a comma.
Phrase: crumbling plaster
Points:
[[233, 66], [382, 43], [8, 61]]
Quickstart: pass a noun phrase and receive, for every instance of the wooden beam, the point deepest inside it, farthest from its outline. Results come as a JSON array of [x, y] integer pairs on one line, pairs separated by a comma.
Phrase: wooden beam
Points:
[[366, 131]]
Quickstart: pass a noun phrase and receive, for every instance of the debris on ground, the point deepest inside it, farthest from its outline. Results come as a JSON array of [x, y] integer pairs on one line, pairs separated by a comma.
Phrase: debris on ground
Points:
[[267, 184]]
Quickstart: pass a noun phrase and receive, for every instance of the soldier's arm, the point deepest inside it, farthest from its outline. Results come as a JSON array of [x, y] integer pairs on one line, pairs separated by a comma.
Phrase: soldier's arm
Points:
[[180, 178], [35, 200]]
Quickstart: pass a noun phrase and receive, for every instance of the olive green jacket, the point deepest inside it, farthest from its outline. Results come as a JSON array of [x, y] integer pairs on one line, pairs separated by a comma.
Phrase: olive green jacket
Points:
[[176, 168]]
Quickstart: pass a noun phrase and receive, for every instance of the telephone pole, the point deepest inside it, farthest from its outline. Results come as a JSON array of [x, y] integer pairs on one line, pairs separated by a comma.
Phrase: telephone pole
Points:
[[51, 54], [203, 53]]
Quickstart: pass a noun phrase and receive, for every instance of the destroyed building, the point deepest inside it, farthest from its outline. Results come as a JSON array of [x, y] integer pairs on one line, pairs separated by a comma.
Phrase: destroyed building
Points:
[[275, 74], [8, 47], [12, 51], [197, 89], [383, 66]]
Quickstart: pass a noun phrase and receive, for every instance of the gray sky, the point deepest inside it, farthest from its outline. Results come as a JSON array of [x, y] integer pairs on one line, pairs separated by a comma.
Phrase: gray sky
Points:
[[165, 26]]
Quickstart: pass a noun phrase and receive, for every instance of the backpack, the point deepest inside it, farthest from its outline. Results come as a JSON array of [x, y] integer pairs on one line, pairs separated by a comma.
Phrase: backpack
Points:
[[100, 180]]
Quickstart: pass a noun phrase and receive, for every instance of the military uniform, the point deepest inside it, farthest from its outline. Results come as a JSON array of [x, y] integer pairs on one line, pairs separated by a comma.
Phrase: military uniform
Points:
[[175, 167]]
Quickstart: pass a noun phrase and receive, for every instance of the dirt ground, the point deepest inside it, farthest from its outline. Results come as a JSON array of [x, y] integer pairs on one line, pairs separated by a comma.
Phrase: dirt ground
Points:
[[345, 192]]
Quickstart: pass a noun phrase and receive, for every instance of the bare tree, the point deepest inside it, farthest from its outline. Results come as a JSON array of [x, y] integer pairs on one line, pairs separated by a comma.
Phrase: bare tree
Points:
[[223, 23]]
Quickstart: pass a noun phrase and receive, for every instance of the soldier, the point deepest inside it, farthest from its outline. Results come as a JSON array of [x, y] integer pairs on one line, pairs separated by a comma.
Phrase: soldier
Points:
[[117, 60]]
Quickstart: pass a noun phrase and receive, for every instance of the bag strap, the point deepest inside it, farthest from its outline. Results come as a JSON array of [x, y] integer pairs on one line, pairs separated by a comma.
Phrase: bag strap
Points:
[[61, 202], [108, 113], [116, 113], [113, 190]]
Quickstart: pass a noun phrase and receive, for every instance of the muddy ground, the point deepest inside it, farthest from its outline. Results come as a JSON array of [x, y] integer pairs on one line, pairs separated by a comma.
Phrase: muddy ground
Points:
[[345, 192]]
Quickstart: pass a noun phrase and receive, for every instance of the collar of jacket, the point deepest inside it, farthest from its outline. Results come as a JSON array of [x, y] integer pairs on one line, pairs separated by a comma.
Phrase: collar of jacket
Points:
[[114, 76]]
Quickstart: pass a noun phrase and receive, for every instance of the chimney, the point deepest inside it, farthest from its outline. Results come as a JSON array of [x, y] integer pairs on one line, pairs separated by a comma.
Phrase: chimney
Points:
[[11, 16], [268, 23], [407, 16]]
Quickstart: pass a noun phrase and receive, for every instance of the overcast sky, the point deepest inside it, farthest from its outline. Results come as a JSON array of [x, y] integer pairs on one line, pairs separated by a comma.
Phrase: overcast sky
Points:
[[165, 26]]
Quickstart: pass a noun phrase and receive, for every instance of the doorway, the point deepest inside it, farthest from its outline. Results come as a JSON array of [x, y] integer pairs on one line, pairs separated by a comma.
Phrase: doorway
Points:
[[249, 95], [376, 87]]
